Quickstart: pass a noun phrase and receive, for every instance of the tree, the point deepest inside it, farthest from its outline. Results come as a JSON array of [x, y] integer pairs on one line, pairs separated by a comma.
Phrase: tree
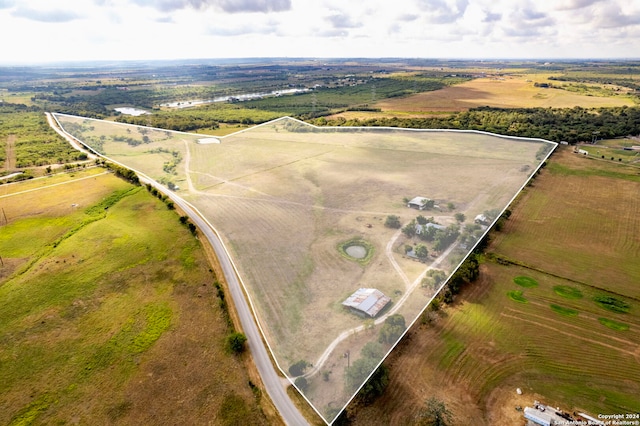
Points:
[[451, 206], [298, 368], [192, 228], [235, 342], [301, 383], [434, 413], [421, 220], [410, 229], [372, 350], [392, 329], [460, 217], [375, 386], [428, 204], [421, 251], [392, 221]]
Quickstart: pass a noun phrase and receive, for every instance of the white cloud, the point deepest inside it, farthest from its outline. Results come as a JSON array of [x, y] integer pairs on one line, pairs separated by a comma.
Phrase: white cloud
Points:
[[147, 29]]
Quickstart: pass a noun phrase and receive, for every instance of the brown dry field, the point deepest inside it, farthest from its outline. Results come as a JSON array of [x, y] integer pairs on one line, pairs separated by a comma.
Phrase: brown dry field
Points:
[[510, 92], [284, 197], [483, 347]]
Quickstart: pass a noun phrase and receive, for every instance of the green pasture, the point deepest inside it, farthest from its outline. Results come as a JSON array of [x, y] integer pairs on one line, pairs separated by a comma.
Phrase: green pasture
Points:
[[549, 346], [95, 298]]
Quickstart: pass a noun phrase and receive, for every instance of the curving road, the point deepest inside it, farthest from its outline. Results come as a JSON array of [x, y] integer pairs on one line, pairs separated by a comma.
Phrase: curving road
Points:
[[273, 383]]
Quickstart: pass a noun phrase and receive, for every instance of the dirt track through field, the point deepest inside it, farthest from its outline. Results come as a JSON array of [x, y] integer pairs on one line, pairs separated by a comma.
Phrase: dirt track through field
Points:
[[10, 151]]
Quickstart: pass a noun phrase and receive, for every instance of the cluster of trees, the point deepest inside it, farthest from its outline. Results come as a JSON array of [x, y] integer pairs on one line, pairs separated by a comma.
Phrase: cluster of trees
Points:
[[433, 278], [123, 172], [182, 121], [467, 273], [392, 329], [152, 189], [559, 124], [441, 238]]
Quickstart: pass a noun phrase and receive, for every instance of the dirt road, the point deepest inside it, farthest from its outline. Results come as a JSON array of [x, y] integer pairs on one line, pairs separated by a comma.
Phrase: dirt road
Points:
[[10, 153]]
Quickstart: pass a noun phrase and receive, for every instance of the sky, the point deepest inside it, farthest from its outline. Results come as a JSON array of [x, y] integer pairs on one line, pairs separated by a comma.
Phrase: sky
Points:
[[36, 31]]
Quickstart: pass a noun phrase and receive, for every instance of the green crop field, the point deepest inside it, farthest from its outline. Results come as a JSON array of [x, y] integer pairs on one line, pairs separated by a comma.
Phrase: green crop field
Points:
[[103, 319]]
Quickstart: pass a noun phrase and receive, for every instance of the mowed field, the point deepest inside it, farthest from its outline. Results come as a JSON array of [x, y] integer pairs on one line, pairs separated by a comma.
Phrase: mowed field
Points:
[[285, 196], [508, 92], [545, 333], [108, 311]]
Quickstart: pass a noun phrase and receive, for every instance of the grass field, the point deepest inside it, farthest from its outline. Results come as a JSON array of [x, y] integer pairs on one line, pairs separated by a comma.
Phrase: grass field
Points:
[[285, 196], [105, 320], [566, 346], [509, 92]]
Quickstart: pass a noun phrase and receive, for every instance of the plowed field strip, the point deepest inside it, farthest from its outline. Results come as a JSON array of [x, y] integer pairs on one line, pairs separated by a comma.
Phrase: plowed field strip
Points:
[[592, 317], [555, 330], [10, 153]]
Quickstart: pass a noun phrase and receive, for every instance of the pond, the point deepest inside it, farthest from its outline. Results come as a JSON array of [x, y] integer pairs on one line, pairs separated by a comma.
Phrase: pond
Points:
[[357, 252]]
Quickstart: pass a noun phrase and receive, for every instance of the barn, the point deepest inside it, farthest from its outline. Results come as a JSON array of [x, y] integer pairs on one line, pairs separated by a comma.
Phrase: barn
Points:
[[368, 301], [418, 203]]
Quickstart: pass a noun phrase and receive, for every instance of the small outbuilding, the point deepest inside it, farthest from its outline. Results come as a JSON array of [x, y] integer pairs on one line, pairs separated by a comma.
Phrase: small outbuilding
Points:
[[368, 301], [419, 203], [482, 219]]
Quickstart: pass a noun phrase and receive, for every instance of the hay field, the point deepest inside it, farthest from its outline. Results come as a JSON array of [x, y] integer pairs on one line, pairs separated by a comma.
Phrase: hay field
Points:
[[580, 223], [105, 320], [510, 92], [284, 196]]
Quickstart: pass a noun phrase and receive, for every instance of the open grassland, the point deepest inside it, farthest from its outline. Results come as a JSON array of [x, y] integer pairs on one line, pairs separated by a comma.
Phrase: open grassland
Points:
[[508, 92], [108, 312], [573, 343], [285, 196]]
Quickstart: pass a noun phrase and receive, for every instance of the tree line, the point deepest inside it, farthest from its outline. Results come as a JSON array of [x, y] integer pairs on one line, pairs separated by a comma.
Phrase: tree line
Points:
[[573, 125]]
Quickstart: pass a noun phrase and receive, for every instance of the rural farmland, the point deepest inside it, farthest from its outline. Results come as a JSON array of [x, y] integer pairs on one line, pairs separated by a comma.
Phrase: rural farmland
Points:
[[286, 196], [105, 320], [555, 311]]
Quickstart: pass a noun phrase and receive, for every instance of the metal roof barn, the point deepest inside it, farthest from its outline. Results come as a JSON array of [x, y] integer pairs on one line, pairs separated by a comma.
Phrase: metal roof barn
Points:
[[367, 300]]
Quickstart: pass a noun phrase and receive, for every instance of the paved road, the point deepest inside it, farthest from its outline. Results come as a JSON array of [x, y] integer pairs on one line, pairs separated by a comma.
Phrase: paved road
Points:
[[273, 383]]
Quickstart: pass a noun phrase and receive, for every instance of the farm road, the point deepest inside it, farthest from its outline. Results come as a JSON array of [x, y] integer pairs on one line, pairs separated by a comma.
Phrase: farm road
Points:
[[53, 123], [270, 377], [52, 185], [410, 288]]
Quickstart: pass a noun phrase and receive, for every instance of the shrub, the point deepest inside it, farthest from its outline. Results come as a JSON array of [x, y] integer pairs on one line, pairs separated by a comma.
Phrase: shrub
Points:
[[236, 342]]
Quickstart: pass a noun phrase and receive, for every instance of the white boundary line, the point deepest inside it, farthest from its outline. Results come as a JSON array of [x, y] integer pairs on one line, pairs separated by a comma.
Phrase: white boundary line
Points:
[[341, 128]]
